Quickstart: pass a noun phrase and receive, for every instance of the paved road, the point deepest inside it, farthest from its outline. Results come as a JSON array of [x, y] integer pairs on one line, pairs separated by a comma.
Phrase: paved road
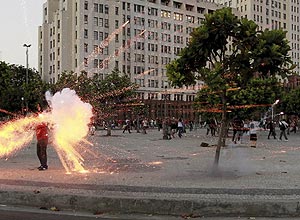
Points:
[[137, 166]]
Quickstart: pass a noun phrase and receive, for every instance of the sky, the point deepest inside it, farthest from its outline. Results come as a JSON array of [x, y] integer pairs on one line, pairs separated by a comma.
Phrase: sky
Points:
[[19, 21]]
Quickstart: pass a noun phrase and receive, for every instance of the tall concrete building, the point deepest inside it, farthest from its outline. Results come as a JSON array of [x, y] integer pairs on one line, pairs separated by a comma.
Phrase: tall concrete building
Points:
[[273, 14], [137, 37]]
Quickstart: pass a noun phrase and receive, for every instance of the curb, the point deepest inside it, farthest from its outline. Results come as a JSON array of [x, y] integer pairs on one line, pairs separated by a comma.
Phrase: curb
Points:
[[158, 205]]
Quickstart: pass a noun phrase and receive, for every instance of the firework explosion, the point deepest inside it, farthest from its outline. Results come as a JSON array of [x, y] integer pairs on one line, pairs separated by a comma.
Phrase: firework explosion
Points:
[[69, 121]]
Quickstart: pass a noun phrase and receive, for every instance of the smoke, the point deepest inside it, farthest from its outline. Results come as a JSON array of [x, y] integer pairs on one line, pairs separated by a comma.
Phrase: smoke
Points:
[[70, 117]]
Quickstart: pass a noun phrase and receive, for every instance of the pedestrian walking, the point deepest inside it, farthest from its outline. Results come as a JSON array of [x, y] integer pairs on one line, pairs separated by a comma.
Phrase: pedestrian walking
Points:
[[271, 127], [127, 126], [237, 127], [253, 134], [145, 125], [180, 127], [191, 125], [283, 126]]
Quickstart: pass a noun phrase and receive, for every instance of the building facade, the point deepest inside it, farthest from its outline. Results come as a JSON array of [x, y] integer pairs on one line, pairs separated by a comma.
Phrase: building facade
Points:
[[273, 14], [137, 37]]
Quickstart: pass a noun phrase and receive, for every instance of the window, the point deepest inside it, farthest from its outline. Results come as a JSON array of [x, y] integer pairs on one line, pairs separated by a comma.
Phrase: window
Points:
[[85, 33], [190, 19], [96, 7], [100, 22], [86, 5], [101, 36], [178, 16], [96, 23], [96, 63], [96, 36], [106, 23], [106, 9], [101, 8], [165, 14]]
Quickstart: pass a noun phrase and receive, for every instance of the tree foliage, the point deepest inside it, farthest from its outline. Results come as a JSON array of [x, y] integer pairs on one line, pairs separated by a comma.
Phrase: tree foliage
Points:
[[15, 93], [102, 94], [227, 52], [290, 102]]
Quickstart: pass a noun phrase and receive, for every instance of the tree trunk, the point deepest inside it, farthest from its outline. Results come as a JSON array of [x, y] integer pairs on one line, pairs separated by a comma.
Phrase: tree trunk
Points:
[[223, 130], [165, 130], [108, 133], [138, 124]]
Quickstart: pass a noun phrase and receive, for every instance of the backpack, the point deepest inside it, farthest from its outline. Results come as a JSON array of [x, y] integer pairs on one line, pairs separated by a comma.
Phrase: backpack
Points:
[[283, 125]]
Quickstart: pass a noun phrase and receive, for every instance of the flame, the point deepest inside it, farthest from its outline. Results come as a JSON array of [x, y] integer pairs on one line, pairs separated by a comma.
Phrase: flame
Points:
[[15, 135], [69, 121], [70, 117]]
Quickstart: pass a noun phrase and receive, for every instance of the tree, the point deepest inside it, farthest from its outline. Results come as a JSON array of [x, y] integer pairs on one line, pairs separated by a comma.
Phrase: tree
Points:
[[290, 102], [110, 92], [102, 94], [244, 102], [224, 65], [14, 92]]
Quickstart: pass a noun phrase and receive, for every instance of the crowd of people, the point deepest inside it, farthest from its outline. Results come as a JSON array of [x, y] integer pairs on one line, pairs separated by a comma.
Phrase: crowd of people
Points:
[[174, 126]]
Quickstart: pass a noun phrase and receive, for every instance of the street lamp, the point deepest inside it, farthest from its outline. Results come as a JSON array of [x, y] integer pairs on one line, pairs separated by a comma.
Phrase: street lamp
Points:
[[27, 46], [272, 108]]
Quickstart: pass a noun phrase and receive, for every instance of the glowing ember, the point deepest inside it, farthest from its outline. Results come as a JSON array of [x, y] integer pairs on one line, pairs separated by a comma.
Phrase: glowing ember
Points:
[[155, 163], [15, 135]]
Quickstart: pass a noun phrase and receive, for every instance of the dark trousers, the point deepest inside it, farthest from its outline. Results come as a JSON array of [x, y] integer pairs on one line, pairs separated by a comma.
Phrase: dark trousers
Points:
[[42, 151], [272, 132], [127, 127], [180, 131], [283, 133]]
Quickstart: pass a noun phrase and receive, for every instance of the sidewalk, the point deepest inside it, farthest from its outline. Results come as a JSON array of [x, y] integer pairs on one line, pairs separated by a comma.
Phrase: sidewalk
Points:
[[142, 173]]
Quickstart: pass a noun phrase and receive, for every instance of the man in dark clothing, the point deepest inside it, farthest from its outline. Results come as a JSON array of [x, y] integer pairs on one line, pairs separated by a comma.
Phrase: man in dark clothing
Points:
[[283, 125], [127, 126], [271, 127]]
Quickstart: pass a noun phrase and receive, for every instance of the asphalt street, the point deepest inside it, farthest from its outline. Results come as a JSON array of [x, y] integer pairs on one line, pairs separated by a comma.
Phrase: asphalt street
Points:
[[142, 173]]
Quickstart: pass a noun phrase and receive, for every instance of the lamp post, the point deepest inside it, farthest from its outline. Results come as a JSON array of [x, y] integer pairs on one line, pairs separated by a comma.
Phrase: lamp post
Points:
[[272, 109], [27, 46], [22, 105]]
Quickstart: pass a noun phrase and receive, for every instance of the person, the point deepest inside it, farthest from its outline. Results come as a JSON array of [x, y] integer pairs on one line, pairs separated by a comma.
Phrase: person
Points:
[[127, 126], [92, 128], [145, 125], [237, 125], [283, 125], [213, 127], [174, 127], [253, 135], [180, 127], [293, 126], [42, 133], [191, 125], [271, 127]]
